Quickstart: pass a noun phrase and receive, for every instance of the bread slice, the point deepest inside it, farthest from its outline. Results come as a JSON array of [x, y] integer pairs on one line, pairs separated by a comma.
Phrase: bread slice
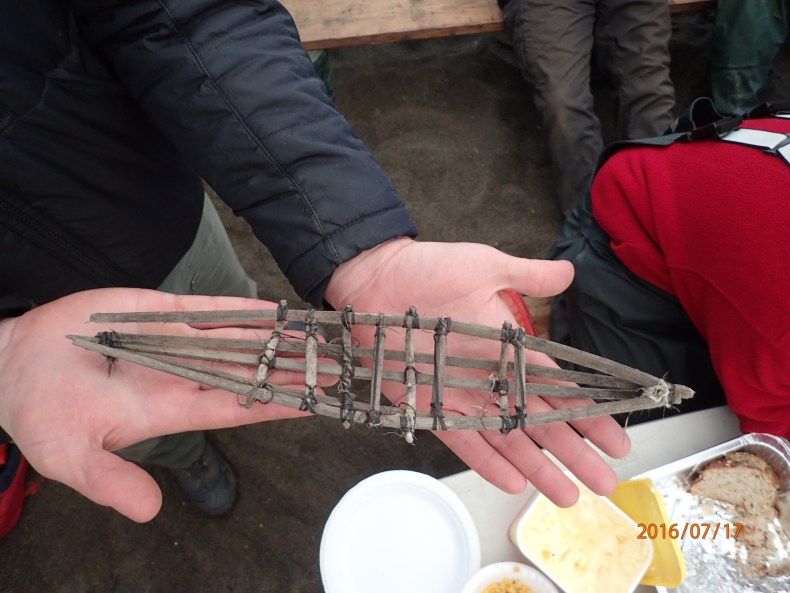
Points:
[[750, 459], [743, 479], [749, 483]]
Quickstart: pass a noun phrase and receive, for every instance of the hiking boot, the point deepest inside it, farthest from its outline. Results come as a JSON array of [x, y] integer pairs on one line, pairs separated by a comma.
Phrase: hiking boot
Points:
[[208, 483]]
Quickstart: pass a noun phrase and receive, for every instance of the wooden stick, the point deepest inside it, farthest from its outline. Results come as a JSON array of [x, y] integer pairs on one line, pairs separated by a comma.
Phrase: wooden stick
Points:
[[332, 317], [439, 365], [311, 364], [213, 378], [502, 386], [591, 361], [521, 380], [326, 406], [266, 360], [362, 373], [573, 355], [336, 352], [374, 415], [411, 321], [347, 371]]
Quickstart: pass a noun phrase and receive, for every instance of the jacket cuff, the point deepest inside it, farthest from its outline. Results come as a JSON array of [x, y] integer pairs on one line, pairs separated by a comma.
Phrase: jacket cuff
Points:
[[14, 306]]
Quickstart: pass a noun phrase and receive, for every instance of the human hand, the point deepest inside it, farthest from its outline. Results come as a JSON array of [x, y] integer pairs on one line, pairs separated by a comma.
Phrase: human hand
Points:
[[66, 414], [462, 280]]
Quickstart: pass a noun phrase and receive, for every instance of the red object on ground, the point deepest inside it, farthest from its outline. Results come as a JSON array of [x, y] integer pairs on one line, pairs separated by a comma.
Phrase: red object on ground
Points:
[[13, 488], [515, 302]]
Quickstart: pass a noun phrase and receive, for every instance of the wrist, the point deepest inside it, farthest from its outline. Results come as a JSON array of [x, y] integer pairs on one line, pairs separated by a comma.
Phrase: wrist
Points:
[[355, 275], [11, 307], [6, 329]]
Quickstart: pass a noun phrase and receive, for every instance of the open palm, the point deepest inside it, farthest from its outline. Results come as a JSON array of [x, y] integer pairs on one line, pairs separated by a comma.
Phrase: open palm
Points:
[[66, 413], [462, 280]]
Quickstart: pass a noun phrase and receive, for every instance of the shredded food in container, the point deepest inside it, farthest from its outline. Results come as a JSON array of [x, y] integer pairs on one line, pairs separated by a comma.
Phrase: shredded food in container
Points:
[[587, 548]]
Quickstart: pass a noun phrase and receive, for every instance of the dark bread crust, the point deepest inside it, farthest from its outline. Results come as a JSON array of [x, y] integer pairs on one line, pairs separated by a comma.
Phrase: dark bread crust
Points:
[[743, 479]]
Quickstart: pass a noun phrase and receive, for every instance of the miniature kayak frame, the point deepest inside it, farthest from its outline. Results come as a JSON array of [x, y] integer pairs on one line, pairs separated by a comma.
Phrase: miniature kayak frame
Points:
[[615, 387]]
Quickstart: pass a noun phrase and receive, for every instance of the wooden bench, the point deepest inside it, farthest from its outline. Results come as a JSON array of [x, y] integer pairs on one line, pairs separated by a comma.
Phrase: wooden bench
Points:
[[337, 23]]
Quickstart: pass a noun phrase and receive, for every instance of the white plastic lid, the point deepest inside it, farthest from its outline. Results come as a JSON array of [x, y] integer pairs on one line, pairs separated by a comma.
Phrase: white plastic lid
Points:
[[399, 531]]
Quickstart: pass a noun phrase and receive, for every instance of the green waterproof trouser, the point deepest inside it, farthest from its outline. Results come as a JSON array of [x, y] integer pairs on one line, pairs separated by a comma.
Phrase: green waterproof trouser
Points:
[[746, 38]]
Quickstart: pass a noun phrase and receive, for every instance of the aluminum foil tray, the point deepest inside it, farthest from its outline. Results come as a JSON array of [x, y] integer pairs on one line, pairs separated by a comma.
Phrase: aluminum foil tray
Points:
[[720, 564]]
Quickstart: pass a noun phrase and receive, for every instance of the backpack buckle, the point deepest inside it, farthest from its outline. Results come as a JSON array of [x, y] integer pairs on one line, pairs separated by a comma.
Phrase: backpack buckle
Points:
[[715, 130], [777, 147]]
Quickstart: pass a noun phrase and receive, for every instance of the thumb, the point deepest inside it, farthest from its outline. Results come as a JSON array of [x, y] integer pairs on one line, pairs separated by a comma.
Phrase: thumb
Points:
[[540, 278], [109, 480]]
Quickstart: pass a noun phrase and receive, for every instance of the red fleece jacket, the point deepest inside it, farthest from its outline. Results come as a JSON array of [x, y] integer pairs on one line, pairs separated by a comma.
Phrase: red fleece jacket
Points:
[[709, 222]]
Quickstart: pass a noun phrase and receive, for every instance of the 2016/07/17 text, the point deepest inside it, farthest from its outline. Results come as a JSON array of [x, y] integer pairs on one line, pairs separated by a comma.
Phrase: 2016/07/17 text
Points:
[[693, 530]]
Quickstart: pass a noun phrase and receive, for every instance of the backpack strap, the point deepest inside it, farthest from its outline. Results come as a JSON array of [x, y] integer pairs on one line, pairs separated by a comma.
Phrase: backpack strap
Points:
[[701, 120], [701, 114], [771, 109], [771, 142]]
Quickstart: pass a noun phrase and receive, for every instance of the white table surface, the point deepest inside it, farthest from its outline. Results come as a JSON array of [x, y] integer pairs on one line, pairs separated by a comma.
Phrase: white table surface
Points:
[[653, 444]]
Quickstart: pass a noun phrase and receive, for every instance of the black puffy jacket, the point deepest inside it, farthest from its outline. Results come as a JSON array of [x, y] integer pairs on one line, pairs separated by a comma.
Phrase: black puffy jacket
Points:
[[112, 111]]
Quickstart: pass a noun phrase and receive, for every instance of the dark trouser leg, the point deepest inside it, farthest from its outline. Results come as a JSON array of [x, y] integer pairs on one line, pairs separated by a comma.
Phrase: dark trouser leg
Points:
[[632, 47], [553, 42], [611, 312]]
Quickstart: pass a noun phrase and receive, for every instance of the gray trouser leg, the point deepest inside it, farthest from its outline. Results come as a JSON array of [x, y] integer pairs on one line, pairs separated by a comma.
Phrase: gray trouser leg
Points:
[[553, 42], [632, 47], [210, 267]]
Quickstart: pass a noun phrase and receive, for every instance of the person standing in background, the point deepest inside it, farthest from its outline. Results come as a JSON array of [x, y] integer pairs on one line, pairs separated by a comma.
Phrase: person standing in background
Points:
[[746, 38], [555, 42]]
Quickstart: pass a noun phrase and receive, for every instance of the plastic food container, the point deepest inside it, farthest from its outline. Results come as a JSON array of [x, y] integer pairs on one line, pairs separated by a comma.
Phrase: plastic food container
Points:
[[489, 576], [640, 500], [720, 563], [591, 547]]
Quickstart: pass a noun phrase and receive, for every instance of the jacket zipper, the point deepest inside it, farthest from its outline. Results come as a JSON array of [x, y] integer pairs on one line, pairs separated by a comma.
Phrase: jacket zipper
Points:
[[104, 273]]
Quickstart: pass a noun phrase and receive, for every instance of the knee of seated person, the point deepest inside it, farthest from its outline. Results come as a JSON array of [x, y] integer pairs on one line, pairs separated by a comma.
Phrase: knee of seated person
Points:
[[565, 103]]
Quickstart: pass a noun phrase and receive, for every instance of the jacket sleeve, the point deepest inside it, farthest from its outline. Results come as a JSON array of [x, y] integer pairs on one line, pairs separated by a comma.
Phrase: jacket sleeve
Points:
[[14, 306], [230, 85]]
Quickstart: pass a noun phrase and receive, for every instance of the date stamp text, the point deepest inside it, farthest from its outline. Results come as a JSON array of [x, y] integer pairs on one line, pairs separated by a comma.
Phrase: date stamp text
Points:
[[692, 530]]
